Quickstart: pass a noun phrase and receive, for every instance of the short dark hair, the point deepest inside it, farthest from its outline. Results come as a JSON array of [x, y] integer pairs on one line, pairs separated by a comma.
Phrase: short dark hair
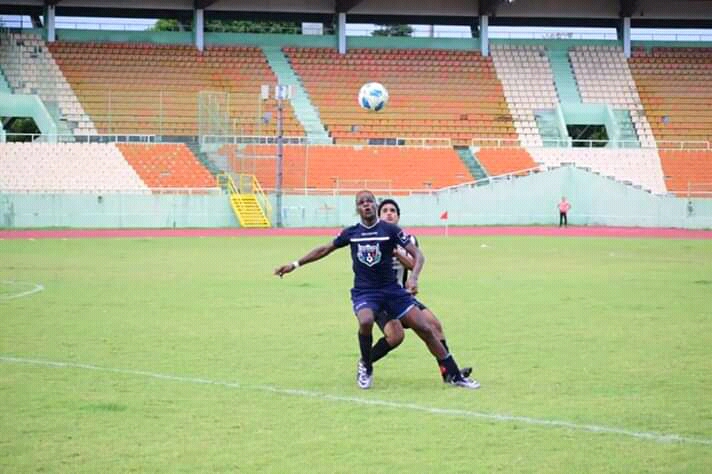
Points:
[[388, 201]]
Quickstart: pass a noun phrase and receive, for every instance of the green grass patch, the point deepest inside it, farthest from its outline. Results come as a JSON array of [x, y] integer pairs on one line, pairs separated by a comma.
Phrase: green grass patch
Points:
[[187, 355]]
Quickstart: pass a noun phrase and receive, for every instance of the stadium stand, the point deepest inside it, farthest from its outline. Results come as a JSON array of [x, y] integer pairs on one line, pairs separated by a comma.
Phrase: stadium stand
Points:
[[434, 93], [506, 161], [30, 69], [144, 88], [328, 167], [167, 165], [66, 168], [528, 85], [688, 172], [675, 87], [638, 167], [603, 76]]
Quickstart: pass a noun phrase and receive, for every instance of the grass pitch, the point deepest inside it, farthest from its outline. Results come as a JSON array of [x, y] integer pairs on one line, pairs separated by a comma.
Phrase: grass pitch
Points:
[[187, 355]]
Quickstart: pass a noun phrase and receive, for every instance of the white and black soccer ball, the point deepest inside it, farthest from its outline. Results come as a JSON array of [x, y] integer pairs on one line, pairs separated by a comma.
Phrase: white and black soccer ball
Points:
[[373, 96]]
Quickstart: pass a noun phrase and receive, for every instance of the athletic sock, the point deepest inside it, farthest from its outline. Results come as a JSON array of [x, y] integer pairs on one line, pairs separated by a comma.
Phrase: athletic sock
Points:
[[364, 343], [380, 350], [443, 369], [451, 369]]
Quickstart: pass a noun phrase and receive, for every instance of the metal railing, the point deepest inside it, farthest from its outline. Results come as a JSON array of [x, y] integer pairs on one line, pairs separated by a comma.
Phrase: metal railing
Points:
[[108, 191], [89, 138], [421, 142]]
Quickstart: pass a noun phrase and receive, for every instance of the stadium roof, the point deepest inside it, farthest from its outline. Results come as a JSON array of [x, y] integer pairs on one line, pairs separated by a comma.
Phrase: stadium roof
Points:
[[643, 13]]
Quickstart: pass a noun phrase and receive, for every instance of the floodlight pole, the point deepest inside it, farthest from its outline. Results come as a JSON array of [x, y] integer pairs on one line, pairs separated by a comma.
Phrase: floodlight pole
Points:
[[281, 93], [280, 161]]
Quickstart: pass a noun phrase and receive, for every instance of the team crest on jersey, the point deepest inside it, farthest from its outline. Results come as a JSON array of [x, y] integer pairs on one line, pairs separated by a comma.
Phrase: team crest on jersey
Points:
[[369, 254]]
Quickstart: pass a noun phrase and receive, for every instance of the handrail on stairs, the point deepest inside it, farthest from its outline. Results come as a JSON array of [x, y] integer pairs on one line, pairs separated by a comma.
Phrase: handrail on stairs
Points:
[[248, 183]]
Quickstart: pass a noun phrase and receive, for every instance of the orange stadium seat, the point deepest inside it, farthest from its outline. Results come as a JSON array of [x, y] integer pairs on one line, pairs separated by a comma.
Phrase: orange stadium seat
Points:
[[501, 161], [675, 87], [434, 93], [167, 165], [135, 88], [383, 168], [687, 170]]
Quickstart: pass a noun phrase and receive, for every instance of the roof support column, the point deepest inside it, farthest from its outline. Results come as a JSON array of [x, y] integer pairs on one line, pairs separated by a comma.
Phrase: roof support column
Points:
[[341, 30], [484, 35], [624, 31], [199, 28], [49, 17]]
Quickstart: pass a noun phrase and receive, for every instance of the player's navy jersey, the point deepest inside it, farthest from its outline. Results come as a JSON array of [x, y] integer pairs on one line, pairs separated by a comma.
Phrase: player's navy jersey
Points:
[[372, 252], [399, 269]]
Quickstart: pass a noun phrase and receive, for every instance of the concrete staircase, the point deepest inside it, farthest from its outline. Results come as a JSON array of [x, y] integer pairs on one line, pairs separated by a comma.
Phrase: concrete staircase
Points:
[[4, 86], [547, 122], [627, 136], [305, 112], [30, 68], [204, 158], [468, 158], [563, 76]]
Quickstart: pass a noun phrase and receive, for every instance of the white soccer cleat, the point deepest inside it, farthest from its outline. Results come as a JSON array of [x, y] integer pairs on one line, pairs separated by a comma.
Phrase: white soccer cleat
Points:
[[363, 378], [464, 382]]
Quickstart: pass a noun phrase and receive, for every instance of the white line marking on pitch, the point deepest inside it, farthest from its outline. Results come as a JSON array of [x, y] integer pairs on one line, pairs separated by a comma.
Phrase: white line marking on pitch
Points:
[[36, 287], [643, 435]]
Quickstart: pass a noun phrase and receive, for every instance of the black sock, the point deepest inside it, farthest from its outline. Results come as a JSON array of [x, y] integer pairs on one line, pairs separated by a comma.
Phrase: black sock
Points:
[[443, 369], [380, 350], [451, 368], [364, 343]]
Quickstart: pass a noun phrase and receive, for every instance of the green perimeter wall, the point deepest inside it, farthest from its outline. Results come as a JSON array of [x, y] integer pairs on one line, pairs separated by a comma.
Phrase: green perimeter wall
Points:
[[114, 211], [530, 200]]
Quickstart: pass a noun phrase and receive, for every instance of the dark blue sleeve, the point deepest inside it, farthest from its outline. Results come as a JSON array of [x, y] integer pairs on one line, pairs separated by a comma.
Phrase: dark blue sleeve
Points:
[[402, 237], [342, 240]]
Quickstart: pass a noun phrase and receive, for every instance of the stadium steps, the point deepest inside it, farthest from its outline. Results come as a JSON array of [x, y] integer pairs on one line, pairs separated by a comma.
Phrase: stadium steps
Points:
[[563, 75], [245, 200], [548, 124], [248, 211], [203, 158], [30, 68], [64, 127], [305, 112], [4, 85], [627, 133], [217, 161], [468, 158]]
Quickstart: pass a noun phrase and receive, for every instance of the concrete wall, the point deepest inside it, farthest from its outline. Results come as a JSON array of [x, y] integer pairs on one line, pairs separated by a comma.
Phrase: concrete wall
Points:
[[530, 200], [114, 211]]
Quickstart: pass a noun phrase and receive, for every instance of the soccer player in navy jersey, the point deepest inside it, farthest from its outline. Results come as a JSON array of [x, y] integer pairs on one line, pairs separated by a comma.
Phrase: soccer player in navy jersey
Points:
[[372, 243], [392, 328]]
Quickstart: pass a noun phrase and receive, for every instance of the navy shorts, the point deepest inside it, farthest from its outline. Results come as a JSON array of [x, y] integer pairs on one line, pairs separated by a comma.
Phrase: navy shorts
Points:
[[393, 299], [382, 317]]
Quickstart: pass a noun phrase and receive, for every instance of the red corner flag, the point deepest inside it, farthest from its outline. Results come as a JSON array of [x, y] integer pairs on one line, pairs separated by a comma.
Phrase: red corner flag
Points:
[[443, 216]]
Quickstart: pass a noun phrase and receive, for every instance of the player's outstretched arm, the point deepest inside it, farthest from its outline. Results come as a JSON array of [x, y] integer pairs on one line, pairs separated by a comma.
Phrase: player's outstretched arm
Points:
[[314, 255]]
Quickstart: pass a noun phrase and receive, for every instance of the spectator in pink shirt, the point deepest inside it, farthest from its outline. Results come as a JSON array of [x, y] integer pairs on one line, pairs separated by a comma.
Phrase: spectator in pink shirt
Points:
[[564, 207]]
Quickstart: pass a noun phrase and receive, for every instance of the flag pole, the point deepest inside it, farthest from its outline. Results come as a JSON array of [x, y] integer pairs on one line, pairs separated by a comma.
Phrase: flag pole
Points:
[[445, 217]]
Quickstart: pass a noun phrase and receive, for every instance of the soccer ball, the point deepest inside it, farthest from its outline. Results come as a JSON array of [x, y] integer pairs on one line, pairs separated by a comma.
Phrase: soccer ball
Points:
[[373, 96]]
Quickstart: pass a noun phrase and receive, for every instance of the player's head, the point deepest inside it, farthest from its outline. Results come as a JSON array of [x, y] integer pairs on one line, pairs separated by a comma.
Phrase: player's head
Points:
[[366, 205], [389, 211]]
